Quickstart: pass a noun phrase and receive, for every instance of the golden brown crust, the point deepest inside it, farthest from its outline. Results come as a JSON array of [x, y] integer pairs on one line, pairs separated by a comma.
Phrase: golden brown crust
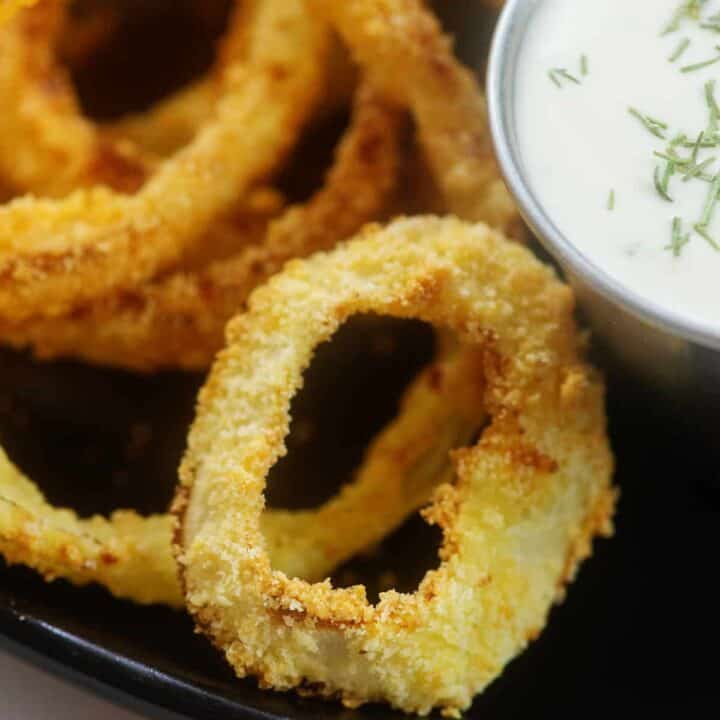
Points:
[[446, 102], [130, 555], [178, 320], [55, 255], [526, 502]]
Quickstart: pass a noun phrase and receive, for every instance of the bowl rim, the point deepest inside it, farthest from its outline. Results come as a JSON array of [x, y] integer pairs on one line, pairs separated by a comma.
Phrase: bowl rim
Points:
[[504, 49]]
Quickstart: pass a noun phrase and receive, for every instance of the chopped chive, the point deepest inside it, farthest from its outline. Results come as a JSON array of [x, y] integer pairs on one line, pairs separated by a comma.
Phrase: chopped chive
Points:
[[559, 74], [584, 66], [711, 202], [553, 77], [661, 184], [678, 240], [700, 65], [679, 50], [690, 9], [611, 200], [696, 147], [654, 126], [701, 230], [698, 171], [713, 108], [568, 76]]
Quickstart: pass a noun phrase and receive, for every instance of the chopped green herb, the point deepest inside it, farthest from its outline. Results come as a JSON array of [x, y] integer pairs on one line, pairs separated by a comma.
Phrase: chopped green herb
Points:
[[701, 230], [611, 201], [559, 74], [656, 127], [678, 241], [584, 66], [662, 181], [698, 171], [713, 108], [700, 65], [711, 202], [688, 10], [696, 147], [680, 49]]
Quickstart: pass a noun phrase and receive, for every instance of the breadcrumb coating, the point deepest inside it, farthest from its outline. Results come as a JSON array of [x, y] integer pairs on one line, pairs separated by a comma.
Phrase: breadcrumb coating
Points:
[[526, 501]]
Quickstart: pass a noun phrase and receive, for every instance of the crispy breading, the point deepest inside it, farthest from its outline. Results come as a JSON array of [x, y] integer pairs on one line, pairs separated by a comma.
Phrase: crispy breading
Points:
[[444, 97], [57, 254], [127, 553], [527, 499], [178, 320], [131, 555]]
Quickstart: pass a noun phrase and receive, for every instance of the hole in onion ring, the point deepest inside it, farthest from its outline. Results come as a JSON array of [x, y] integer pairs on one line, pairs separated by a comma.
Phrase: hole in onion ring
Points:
[[341, 437], [312, 157], [352, 390], [137, 52]]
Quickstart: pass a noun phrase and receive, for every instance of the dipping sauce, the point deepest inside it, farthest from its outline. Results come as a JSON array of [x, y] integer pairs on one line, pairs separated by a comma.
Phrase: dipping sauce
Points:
[[619, 131]]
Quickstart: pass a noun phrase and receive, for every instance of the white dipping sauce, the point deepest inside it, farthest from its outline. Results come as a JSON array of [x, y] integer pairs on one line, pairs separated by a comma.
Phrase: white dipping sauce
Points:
[[579, 142]]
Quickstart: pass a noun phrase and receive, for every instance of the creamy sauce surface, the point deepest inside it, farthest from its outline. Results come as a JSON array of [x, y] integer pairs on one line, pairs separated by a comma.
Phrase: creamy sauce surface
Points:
[[579, 143]]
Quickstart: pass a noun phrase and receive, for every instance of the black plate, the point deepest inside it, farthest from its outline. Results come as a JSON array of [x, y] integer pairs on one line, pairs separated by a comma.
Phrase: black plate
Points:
[[640, 613]]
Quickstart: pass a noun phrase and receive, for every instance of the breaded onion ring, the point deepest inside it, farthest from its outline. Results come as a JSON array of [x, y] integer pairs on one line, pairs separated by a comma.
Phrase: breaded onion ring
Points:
[[178, 321], [131, 555], [55, 255], [128, 554], [521, 514], [48, 147], [400, 45], [174, 121]]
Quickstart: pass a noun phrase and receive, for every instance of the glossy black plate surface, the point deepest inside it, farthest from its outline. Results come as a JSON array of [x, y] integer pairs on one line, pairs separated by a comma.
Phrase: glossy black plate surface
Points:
[[628, 638]]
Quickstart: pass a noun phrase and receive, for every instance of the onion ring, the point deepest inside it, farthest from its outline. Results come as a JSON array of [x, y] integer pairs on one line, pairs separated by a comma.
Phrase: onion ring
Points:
[[446, 102], [174, 121], [49, 148], [58, 254], [178, 321], [128, 554], [527, 501], [46, 145], [131, 555]]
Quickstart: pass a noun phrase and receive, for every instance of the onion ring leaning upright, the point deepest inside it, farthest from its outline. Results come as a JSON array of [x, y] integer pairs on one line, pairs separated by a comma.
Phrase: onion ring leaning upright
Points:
[[56, 254], [400, 45], [527, 500]]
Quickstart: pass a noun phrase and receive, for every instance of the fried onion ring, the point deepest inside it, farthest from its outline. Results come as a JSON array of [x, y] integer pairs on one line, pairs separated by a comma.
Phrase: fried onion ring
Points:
[[47, 146], [447, 104], [174, 121], [128, 554], [178, 321], [55, 255], [131, 556], [527, 500]]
